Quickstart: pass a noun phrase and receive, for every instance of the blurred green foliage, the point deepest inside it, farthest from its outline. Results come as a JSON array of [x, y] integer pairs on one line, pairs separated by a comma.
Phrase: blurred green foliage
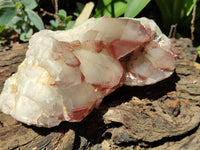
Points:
[[111, 8], [62, 21], [134, 7], [175, 12], [117, 8], [180, 12], [198, 48], [19, 16]]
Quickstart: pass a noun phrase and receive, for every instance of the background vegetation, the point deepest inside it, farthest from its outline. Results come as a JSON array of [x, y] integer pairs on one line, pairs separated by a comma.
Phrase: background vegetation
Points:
[[19, 19]]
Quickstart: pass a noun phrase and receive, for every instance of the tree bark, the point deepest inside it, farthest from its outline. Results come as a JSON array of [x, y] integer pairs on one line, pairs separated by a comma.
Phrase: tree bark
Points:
[[165, 115]]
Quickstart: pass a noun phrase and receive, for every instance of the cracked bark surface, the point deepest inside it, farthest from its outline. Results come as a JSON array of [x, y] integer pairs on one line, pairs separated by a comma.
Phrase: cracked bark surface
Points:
[[161, 116]]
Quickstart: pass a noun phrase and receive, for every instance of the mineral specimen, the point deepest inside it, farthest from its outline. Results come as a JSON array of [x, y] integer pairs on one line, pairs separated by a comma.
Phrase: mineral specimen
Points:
[[67, 73]]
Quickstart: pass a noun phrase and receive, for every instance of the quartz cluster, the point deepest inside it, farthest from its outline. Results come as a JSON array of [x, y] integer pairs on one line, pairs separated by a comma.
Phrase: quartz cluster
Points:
[[67, 73]]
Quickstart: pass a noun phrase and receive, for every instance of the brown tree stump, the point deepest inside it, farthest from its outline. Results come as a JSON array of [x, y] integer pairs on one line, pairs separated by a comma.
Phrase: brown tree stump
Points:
[[161, 116]]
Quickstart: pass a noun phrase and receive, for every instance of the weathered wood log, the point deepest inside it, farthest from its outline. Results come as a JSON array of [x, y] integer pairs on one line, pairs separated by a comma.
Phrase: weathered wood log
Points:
[[161, 116], [10, 59]]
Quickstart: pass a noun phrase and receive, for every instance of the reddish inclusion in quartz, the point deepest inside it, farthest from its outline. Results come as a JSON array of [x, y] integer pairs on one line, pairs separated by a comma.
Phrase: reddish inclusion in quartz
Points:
[[120, 48], [80, 113]]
